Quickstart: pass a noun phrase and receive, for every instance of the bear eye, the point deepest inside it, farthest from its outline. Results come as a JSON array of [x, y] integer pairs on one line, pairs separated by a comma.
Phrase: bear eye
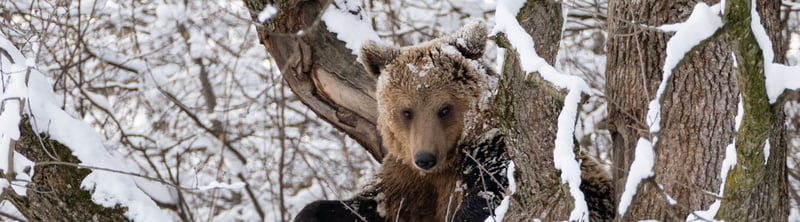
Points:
[[406, 113], [444, 112]]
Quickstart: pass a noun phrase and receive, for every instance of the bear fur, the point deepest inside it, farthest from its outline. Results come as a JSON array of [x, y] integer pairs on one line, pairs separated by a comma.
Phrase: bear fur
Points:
[[446, 156]]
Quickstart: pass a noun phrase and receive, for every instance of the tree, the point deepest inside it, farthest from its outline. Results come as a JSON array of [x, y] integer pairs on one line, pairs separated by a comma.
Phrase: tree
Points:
[[177, 91], [532, 134], [636, 57], [180, 91], [313, 49], [698, 113], [697, 119], [58, 185]]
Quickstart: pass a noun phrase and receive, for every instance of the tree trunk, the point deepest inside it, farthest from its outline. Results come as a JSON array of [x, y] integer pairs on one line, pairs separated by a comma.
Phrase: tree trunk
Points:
[[55, 193], [756, 190], [529, 110], [698, 110], [697, 113]]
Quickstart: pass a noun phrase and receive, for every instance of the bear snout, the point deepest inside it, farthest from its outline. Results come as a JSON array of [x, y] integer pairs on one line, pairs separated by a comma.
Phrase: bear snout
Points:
[[425, 160]]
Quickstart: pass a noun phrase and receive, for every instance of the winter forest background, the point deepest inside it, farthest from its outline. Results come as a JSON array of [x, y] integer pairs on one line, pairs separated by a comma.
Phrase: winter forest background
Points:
[[182, 94]]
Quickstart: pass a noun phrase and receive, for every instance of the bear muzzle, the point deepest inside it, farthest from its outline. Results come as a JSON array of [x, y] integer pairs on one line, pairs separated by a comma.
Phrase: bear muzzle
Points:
[[425, 160]]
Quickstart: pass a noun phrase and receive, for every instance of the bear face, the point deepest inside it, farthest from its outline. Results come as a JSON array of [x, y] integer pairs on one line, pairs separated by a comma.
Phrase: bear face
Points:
[[424, 94]]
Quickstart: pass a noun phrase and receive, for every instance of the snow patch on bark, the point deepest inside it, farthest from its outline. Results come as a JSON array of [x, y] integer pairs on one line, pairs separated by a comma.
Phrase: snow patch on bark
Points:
[[779, 77], [701, 24], [109, 189], [346, 19], [563, 155]]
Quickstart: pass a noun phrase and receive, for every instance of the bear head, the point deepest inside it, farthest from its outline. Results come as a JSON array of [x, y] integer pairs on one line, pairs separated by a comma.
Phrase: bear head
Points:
[[426, 94]]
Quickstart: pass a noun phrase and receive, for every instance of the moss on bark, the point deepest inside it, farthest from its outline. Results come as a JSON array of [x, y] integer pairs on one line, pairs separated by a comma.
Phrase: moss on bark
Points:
[[760, 122]]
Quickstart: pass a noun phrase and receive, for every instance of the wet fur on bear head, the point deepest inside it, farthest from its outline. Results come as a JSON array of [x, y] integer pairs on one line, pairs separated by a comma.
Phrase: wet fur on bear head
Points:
[[425, 92]]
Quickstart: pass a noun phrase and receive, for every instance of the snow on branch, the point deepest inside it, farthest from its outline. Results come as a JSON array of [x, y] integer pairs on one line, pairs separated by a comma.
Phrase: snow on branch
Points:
[[792, 5], [505, 16], [109, 189], [779, 77], [217, 185], [267, 13], [563, 155], [701, 24], [346, 19], [13, 71]]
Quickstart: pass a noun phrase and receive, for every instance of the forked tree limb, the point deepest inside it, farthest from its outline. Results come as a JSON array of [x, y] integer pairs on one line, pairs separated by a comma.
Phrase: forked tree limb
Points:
[[320, 70]]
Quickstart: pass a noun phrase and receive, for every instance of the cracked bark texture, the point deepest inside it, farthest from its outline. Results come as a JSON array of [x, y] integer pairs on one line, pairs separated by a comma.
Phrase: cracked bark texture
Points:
[[770, 198], [529, 107], [698, 109]]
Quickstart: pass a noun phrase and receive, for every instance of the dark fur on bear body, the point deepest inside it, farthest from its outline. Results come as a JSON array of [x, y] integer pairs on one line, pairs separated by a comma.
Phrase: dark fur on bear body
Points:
[[439, 196], [446, 160], [446, 156]]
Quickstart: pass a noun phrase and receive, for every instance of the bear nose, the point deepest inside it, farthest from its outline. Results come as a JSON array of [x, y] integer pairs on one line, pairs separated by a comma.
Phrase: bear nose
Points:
[[425, 160]]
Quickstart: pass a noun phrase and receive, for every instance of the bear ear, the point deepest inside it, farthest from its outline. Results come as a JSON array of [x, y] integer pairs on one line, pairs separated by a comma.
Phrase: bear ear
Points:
[[470, 40], [375, 56]]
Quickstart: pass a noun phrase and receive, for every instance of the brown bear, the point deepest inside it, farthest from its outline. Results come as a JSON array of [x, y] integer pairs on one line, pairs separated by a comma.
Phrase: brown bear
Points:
[[446, 156]]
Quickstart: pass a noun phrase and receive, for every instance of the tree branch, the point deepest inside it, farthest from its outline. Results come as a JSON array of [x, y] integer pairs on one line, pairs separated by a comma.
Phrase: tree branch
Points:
[[320, 70]]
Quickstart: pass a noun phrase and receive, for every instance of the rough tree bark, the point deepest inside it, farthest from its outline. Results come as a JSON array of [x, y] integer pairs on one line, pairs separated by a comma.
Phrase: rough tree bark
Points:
[[756, 190], [698, 112], [529, 109], [55, 193]]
